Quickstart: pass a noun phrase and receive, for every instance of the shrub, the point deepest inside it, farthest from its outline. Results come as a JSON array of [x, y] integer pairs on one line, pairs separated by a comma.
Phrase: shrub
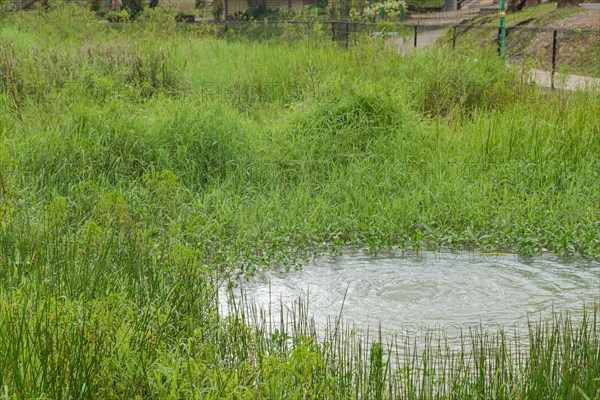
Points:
[[118, 16]]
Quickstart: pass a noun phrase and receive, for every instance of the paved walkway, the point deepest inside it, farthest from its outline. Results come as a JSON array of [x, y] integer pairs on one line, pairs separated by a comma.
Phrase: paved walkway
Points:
[[564, 81], [424, 39], [591, 6]]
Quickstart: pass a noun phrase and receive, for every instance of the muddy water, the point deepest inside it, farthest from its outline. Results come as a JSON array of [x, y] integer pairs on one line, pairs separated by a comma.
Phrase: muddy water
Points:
[[407, 294]]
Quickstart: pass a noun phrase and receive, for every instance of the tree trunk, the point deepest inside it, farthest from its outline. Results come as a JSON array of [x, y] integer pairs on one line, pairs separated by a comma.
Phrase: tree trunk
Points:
[[516, 5], [567, 3]]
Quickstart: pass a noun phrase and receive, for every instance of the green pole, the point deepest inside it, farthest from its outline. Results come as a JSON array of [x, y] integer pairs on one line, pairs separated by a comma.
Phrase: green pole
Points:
[[382, 15], [401, 13], [502, 32]]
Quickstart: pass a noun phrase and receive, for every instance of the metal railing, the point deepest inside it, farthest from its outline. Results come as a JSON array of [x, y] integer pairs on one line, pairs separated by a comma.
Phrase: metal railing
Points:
[[551, 49]]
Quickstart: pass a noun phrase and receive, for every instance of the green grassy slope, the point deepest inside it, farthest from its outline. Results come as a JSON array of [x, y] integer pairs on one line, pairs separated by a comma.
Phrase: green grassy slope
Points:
[[578, 50]]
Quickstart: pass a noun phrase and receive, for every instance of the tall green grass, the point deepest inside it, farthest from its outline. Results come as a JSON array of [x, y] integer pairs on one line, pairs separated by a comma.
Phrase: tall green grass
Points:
[[110, 347], [140, 165]]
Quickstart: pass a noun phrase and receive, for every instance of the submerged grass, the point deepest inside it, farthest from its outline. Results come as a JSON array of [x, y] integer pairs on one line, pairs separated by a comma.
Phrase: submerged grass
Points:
[[140, 165]]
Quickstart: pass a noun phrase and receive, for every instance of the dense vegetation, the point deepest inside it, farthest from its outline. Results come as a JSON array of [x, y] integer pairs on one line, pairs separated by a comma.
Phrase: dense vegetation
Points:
[[142, 163]]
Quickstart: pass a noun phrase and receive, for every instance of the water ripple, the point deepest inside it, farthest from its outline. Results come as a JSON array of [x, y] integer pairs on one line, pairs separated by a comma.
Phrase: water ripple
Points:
[[432, 290]]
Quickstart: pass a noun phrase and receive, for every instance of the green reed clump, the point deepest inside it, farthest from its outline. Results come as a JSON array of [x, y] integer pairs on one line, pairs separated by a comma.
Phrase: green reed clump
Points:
[[199, 145], [473, 82], [172, 346]]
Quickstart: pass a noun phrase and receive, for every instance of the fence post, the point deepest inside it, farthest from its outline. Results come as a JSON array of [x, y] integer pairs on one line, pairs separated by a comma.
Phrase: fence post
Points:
[[415, 41], [554, 43], [332, 31], [453, 36], [499, 41], [502, 31], [347, 34]]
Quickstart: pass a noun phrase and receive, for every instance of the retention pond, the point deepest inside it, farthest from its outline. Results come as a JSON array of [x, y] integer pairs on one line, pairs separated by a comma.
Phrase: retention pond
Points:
[[418, 293]]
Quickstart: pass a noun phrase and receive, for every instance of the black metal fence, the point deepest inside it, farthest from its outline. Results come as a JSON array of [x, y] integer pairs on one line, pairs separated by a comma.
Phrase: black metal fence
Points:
[[573, 51]]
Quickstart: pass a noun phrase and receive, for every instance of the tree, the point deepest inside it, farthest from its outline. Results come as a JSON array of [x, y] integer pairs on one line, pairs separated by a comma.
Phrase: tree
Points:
[[516, 5], [133, 6], [218, 9], [200, 4], [257, 8]]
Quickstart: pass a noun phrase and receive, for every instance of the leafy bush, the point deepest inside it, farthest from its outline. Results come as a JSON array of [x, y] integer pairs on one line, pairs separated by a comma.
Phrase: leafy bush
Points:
[[118, 16], [97, 5], [134, 7], [164, 13], [390, 7], [468, 83]]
